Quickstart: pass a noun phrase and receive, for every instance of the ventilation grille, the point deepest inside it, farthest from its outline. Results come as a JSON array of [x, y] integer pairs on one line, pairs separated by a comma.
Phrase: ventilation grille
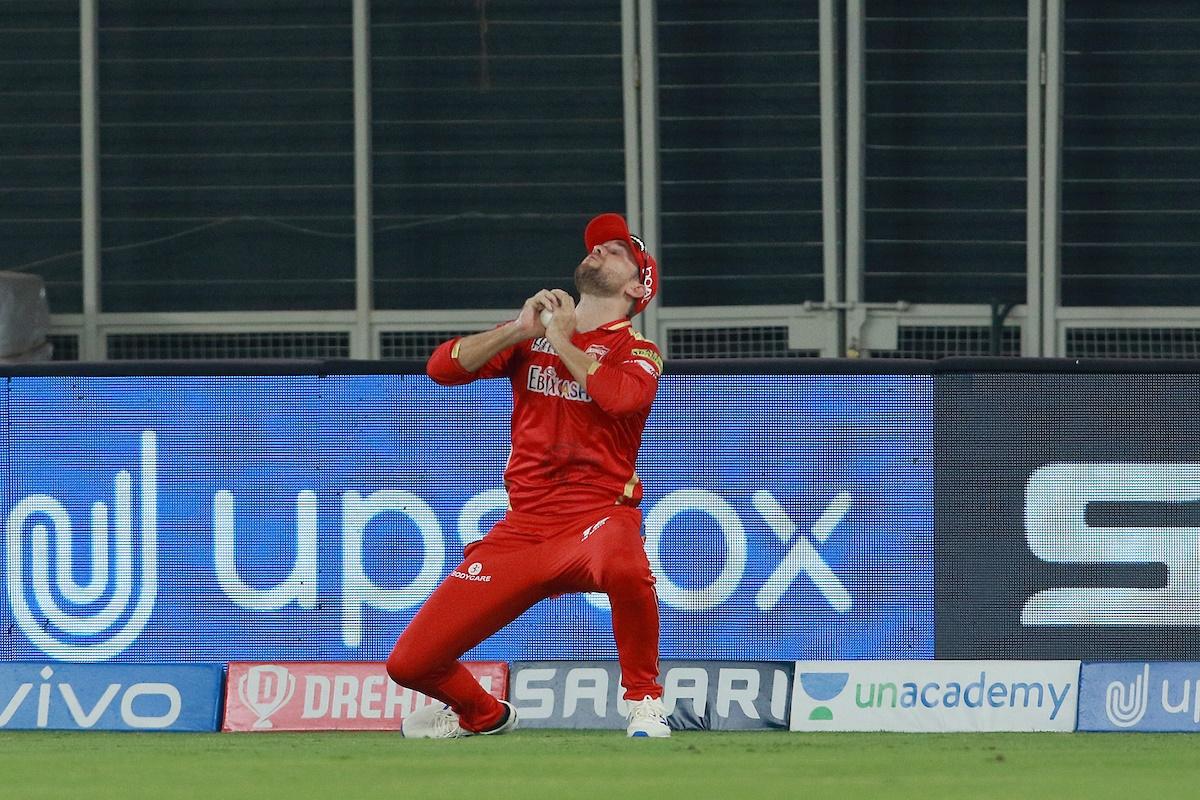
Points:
[[944, 341], [739, 128], [1133, 343], [1130, 165], [413, 345], [66, 347], [283, 344], [40, 168], [761, 341], [945, 152], [494, 126], [227, 132]]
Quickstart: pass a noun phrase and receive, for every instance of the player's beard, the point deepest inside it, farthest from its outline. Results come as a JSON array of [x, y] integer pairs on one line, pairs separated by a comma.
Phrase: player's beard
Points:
[[590, 278]]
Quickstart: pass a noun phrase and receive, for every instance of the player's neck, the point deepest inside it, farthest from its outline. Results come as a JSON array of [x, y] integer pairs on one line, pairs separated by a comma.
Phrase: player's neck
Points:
[[591, 312]]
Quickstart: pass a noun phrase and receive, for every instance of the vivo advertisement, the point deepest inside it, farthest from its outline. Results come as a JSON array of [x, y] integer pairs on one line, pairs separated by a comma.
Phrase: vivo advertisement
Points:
[[110, 697], [223, 518]]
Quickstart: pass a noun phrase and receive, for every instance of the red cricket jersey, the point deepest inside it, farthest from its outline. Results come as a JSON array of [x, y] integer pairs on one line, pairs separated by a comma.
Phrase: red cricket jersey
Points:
[[572, 449]]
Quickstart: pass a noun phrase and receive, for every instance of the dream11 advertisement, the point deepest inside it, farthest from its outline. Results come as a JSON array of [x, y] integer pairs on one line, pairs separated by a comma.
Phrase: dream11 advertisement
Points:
[[305, 517]]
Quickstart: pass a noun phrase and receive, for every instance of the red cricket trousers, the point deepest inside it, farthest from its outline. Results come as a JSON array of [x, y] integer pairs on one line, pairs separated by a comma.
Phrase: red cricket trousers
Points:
[[526, 558]]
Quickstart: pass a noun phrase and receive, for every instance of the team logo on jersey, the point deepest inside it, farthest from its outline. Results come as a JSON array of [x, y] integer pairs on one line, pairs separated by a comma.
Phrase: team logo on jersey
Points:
[[593, 528], [545, 380], [597, 351]]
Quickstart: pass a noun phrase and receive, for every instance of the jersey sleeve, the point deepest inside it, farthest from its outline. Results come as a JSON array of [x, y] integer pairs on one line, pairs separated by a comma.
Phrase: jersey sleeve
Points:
[[444, 368], [626, 385]]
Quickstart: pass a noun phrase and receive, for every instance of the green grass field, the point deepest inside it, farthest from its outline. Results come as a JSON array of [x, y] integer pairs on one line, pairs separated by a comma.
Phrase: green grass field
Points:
[[599, 764]]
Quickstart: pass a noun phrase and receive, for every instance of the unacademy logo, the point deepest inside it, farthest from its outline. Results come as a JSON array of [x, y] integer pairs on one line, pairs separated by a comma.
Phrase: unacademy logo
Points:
[[953, 694], [823, 687]]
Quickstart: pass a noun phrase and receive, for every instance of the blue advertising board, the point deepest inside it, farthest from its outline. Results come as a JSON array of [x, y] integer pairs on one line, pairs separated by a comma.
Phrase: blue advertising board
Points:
[[110, 697], [1140, 696], [215, 518]]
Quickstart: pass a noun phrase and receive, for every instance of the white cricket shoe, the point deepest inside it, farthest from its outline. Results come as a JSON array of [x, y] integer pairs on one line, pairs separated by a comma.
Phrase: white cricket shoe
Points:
[[648, 717], [438, 721]]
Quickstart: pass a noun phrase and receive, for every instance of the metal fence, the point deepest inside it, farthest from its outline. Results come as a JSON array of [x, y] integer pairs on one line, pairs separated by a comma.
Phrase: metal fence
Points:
[[819, 178]]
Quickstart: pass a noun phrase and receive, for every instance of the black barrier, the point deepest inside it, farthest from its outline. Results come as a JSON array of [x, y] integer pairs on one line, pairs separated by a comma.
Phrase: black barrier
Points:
[[1067, 509], [695, 366]]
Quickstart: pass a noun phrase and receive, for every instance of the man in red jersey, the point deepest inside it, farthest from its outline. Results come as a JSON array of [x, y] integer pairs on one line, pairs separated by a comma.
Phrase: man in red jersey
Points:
[[583, 382]]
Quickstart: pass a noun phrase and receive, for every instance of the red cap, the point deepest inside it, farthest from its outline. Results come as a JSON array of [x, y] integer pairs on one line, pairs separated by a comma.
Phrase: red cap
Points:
[[607, 227]]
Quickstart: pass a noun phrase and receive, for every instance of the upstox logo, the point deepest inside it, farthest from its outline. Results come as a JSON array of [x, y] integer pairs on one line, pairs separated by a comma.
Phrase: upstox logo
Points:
[[803, 559], [1124, 704], [1143, 696], [97, 619], [932, 695]]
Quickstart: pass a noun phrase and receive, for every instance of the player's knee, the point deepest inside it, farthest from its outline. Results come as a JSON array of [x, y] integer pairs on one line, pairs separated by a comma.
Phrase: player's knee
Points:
[[397, 668], [407, 666]]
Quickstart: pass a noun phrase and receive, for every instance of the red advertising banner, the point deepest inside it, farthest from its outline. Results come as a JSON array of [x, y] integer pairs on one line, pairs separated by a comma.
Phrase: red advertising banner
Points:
[[330, 695]]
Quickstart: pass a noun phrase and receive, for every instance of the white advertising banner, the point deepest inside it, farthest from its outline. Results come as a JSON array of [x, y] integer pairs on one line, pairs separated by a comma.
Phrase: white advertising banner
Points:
[[935, 696]]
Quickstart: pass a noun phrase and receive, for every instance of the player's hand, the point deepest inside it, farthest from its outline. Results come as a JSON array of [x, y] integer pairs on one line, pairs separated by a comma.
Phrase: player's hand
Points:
[[563, 319], [529, 320]]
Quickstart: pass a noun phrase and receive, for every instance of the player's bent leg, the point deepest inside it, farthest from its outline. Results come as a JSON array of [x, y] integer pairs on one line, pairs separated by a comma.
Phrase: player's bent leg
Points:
[[456, 617], [427, 660], [622, 571], [439, 677]]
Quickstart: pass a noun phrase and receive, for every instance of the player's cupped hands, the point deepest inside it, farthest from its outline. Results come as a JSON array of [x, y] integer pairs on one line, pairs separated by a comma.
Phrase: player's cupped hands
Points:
[[530, 321], [562, 316]]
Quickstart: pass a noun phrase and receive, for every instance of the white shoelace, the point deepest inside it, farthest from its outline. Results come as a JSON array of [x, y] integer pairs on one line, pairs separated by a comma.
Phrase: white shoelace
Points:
[[445, 726], [648, 708]]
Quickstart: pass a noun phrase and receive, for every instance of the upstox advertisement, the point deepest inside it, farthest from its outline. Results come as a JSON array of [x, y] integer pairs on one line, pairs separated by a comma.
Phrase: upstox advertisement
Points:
[[1140, 696], [308, 517], [935, 696]]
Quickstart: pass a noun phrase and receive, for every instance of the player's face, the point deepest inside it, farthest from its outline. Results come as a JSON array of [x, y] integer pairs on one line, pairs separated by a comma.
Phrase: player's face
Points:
[[607, 270]]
